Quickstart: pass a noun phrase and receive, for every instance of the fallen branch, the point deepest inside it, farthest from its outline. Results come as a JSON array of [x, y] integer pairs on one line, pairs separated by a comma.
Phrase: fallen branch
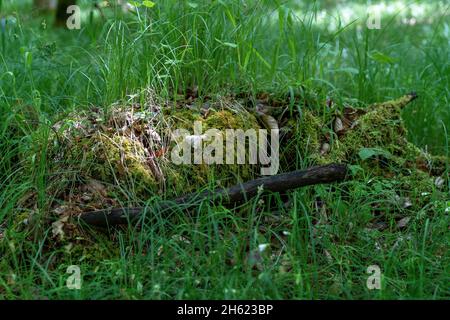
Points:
[[230, 196]]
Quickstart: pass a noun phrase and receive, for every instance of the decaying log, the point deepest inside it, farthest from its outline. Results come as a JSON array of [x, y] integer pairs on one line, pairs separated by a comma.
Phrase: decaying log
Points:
[[229, 196]]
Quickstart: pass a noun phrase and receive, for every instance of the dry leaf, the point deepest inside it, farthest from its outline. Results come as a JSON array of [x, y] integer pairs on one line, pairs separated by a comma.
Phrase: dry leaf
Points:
[[95, 186], [403, 222], [328, 256], [379, 225], [60, 210], [325, 148], [439, 182], [407, 203], [58, 227], [338, 125]]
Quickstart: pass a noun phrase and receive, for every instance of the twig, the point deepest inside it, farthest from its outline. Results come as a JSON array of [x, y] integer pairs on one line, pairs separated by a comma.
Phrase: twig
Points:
[[230, 196]]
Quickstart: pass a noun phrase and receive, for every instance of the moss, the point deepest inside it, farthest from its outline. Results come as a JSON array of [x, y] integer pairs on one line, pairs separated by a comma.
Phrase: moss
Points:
[[199, 175], [381, 128], [118, 158], [303, 138], [421, 189], [92, 252], [225, 119], [435, 165], [181, 118], [127, 157], [416, 180], [20, 220]]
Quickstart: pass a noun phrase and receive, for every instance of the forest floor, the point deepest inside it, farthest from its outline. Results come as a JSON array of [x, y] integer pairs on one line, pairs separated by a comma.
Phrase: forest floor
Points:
[[60, 88]]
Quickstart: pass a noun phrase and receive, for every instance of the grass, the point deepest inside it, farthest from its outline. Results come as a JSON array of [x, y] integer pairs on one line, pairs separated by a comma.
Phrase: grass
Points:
[[225, 47]]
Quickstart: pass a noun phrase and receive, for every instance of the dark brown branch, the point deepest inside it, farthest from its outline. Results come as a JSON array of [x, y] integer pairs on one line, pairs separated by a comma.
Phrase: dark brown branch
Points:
[[236, 194]]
